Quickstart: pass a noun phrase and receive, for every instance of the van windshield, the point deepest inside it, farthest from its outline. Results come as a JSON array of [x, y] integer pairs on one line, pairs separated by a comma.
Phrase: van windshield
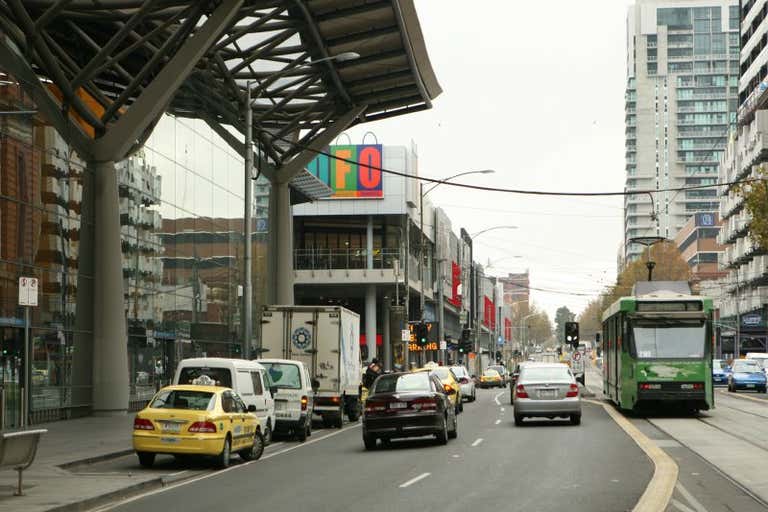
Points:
[[284, 375], [221, 376]]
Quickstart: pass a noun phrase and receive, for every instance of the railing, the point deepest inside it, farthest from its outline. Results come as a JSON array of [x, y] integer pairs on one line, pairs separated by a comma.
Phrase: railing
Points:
[[319, 259]]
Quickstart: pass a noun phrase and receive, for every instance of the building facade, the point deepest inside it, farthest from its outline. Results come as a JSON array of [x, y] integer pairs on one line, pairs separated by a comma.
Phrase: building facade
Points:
[[681, 98], [745, 290], [697, 242], [181, 210]]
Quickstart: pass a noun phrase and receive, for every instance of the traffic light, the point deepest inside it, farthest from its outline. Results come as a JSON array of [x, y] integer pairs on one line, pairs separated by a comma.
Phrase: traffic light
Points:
[[572, 333], [465, 343], [422, 333]]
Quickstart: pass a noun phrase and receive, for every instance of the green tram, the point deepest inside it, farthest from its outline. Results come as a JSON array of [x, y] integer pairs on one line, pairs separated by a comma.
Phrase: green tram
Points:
[[657, 350]]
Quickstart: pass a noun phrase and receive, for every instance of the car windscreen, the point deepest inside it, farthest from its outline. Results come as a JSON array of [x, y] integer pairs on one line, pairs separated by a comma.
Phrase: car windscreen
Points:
[[545, 374], [404, 382], [183, 399], [490, 373], [499, 369], [746, 367], [718, 364], [677, 339], [284, 375], [220, 376], [459, 371], [442, 373], [758, 361]]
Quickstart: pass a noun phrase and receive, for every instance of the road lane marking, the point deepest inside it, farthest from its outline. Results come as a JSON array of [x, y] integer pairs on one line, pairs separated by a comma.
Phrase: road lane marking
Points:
[[697, 506], [497, 422], [744, 397], [477, 441], [414, 480], [658, 493], [503, 409], [213, 473], [496, 398], [682, 508]]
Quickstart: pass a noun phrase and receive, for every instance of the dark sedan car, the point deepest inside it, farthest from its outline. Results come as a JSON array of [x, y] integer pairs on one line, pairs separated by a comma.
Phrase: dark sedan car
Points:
[[408, 405]]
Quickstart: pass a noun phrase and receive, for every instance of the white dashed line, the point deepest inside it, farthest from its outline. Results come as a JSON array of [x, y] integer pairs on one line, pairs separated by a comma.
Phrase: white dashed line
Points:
[[503, 409], [414, 480], [497, 422], [477, 441]]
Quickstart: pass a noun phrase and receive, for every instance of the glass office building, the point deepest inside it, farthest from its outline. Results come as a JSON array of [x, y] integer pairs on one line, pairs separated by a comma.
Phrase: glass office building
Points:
[[181, 209]]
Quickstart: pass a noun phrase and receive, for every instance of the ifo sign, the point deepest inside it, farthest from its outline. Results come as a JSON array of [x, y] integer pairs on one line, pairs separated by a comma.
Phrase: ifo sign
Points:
[[352, 171], [27, 291]]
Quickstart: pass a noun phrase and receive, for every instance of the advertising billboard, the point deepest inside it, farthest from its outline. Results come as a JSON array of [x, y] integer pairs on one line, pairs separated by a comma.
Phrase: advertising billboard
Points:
[[352, 171]]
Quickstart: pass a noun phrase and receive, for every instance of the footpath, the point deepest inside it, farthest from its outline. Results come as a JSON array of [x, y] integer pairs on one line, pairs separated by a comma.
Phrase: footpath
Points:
[[50, 483]]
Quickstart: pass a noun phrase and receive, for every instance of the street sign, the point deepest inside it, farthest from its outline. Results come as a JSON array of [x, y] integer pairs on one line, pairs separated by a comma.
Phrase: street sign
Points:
[[463, 317], [405, 335], [577, 363], [443, 345], [27, 291]]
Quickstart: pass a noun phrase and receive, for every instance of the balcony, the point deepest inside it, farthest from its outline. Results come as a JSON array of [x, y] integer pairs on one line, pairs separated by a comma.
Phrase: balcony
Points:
[[323, 259], [349, 267]]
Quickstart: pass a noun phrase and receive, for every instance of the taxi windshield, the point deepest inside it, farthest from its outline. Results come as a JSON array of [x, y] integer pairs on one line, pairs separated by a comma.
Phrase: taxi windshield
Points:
[[490, 373], [442, 373], [184, 399]]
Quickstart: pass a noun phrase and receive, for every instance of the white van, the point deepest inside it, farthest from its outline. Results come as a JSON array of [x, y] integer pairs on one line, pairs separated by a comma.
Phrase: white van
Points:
[[294, 396], [761, 358], [248, 379]]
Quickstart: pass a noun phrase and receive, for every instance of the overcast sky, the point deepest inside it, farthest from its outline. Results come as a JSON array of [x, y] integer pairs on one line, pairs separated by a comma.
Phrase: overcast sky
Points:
[[534, 90]]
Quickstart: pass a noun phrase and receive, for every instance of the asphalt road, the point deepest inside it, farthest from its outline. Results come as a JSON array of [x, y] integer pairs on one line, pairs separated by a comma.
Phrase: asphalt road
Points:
[[493, 465]]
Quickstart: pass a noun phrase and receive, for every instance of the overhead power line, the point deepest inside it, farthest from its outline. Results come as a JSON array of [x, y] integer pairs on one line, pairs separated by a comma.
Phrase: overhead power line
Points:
[[514, 190]]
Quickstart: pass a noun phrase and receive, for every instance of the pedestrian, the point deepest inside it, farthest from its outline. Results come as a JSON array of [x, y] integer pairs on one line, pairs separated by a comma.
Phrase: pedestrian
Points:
[[373, 371]]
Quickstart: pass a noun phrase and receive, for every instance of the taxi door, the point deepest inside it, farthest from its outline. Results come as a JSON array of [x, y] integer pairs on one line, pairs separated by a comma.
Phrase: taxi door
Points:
[[235, 410]]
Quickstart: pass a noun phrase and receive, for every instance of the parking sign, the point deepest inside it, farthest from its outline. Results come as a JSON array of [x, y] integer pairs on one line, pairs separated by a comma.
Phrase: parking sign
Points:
[[27, 291]]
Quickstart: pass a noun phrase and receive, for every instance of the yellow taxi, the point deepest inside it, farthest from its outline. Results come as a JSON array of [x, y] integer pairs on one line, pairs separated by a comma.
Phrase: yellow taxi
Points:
[[449, 381], [491, 378], [197, 419]]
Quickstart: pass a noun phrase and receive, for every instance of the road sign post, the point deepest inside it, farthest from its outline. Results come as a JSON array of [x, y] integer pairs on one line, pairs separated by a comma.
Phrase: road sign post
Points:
[[27, 298]]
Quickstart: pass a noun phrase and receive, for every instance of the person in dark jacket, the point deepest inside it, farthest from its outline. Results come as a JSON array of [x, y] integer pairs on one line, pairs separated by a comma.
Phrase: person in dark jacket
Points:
[[373, 371]]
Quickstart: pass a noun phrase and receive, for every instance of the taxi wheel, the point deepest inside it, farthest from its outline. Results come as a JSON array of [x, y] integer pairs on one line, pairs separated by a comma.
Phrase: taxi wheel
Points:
[[255, 451], [146, 459], [222, 460], [453, 434]]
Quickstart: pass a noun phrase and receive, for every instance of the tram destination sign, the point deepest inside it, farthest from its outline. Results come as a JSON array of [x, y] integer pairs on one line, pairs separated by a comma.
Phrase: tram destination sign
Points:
[[670, 306]]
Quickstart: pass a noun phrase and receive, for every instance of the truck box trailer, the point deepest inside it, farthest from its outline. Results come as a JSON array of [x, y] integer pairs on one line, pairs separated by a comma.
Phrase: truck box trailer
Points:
[[327, 340]]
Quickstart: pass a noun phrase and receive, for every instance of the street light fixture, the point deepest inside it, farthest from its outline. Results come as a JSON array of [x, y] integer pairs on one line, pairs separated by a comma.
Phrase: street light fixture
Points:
[[474, 235], [423, 193], [248, 185]]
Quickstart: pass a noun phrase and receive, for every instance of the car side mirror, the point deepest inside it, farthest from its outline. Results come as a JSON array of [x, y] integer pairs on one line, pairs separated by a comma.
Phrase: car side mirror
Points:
[[251, 408], [463, 380], [273, 390], [315, 384]]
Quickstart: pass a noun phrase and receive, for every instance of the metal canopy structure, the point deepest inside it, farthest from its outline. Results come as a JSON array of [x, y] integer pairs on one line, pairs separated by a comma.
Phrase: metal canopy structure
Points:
[[97, 60]]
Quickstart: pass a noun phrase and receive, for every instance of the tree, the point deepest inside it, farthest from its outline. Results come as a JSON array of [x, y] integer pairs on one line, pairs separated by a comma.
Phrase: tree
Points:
[[670, 266], [539, 326], [755, 194], [562, 315], [590, 320]]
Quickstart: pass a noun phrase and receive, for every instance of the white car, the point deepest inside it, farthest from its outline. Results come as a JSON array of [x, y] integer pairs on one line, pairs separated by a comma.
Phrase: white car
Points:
[[547, 390], [294, 396], [466, 383]]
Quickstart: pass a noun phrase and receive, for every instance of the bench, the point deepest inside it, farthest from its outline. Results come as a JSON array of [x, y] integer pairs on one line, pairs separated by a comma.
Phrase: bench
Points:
[[17, 451]]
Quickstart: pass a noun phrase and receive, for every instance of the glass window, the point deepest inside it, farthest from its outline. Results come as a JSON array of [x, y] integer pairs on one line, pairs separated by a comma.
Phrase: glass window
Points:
[[183, 399], [746, 367], [664, 338], [418, 381], [545, 373], [284, 375], [221, 376], [677, 17], [244, 383]]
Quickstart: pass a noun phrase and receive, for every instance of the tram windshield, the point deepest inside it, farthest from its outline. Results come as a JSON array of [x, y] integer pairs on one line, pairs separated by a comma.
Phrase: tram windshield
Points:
[[660, 339]]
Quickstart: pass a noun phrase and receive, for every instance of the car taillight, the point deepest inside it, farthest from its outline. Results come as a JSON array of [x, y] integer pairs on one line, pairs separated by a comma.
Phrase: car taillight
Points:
[[424, 404], [304, 402], [335, 399], [142, 424], [520, 391], [203, 427], [698, 385], [573, 390], [447, 387], [374, 406], [646, 386]]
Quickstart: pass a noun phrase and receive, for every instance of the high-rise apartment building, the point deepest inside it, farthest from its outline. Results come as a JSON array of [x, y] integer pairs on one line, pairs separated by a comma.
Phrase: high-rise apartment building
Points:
[[681, 98], [744, 294]]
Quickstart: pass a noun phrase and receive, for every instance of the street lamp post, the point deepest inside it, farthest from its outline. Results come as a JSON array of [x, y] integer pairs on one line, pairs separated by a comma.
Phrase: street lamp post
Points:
[[248, 194], [422, 194]]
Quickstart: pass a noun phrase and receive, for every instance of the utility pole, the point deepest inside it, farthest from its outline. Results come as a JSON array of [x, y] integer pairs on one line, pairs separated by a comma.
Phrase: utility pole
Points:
[[247, 227], [421, 263]]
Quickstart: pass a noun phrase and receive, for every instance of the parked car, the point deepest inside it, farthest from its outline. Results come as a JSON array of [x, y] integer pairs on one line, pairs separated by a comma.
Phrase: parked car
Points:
[[198, 419], [547, 390], [747, 374], [466, 383], [248, 379], [491, 379], [449, 380], [408, 405], [294, 396], [720, 372]]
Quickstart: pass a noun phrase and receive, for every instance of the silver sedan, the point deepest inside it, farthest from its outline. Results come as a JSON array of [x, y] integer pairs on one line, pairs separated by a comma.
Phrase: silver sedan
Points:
[[547, 390], [466, 383]]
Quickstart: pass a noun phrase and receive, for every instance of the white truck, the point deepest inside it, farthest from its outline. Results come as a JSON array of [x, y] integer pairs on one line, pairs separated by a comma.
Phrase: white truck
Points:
[[327, 340]]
